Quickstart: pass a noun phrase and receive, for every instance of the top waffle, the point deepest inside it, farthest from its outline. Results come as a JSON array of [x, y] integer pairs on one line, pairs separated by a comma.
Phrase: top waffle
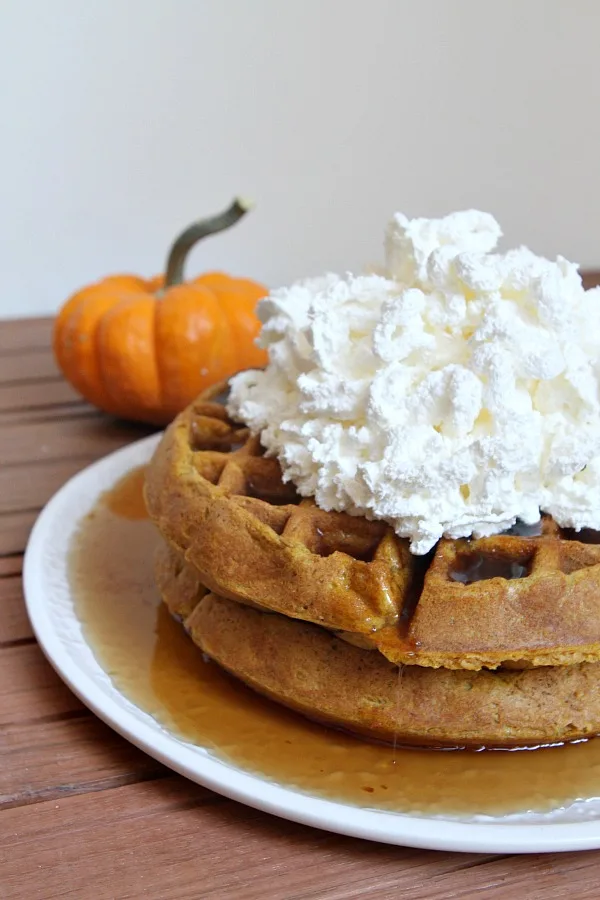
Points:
[[518, 598]]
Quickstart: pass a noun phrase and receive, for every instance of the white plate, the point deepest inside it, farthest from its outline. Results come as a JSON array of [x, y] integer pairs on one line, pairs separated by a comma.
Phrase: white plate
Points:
[[51, 610]]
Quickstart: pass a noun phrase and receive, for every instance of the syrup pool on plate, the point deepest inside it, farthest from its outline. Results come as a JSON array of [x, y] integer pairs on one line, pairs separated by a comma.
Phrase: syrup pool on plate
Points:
[[151, 660]]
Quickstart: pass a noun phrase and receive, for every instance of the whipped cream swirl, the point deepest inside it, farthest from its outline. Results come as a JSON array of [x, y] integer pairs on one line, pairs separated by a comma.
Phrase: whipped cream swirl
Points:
[[450, 396]]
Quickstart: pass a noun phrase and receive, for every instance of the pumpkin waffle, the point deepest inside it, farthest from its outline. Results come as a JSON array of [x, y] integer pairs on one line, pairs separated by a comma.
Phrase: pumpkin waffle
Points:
[[517, 599], [214, 495], [310, 670]]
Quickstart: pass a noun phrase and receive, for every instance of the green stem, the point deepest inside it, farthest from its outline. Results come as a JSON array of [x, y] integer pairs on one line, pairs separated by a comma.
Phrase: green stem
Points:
[[197, 231]]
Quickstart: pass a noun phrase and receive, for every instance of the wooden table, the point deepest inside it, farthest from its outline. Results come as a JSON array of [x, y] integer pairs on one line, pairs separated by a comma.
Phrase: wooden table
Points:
[[86, 815]]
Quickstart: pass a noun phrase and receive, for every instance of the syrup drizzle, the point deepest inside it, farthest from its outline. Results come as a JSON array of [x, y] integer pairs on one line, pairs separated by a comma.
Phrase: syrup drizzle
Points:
[[398, 707]]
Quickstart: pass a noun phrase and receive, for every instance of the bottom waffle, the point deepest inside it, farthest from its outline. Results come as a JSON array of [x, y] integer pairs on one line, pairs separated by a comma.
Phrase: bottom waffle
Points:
[[308, 669]]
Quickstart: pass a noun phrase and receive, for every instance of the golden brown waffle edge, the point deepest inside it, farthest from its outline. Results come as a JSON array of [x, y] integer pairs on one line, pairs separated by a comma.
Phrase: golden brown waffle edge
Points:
[[217, 499]]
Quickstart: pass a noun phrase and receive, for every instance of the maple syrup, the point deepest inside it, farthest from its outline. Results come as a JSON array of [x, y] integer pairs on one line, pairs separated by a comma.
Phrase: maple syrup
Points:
[[474, 567], [153, 662]]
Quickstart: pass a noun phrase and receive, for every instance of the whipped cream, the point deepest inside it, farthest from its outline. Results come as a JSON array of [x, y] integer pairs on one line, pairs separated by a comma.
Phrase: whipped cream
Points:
[[450, 396]]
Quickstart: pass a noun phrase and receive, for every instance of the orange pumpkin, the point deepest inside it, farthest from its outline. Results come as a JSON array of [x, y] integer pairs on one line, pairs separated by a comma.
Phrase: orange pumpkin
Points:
[[144, 348]]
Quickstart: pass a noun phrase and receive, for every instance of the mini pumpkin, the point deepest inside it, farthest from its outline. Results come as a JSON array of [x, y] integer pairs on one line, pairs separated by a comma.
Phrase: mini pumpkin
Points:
[[144, 348]]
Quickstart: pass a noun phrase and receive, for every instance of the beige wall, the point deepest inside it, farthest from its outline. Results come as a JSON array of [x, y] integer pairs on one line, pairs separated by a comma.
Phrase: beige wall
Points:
[[125, 119]]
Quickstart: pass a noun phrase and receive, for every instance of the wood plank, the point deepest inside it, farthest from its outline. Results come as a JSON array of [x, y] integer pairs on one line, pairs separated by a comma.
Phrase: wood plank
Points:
[[48, 414], [17, 335], [37, 395], [535, 877], [90, 437], [14, 531], [590, 278], [180, 841], [79, 844], [30, 487], [28, 366], [30, 689], [48, 760], [14, 623], [11, 565]]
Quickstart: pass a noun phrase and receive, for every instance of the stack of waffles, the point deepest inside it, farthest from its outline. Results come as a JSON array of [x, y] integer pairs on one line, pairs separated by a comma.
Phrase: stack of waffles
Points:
[[490, 642]]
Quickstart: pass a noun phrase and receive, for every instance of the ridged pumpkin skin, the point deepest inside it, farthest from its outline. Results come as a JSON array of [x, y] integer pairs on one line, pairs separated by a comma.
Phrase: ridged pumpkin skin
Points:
[[140, 352]]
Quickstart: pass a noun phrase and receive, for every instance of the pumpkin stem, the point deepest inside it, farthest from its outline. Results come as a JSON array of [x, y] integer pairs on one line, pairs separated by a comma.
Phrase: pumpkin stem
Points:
[[197, 231]]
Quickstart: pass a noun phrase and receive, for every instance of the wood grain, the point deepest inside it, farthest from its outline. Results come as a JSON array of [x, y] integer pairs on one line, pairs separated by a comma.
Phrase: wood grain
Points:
[[36, 395], [591, 278], [166, 839], [11, 565], [24, 487], [183, 842], [30, 689], [87, 815], [44, 760], [17, 335], [14, 624], [88, 437], [49, 413], [14, 531], [27, 367]]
